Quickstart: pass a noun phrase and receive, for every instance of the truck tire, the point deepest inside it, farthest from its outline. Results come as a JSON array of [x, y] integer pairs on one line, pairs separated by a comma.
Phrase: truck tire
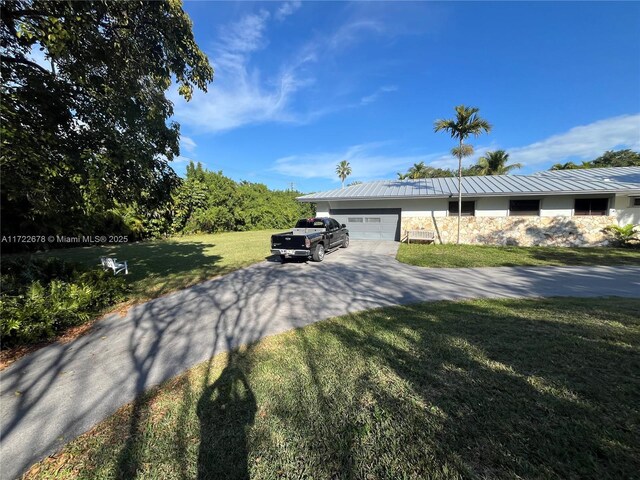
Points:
[[318, 253], [283, 258], [345, 242]]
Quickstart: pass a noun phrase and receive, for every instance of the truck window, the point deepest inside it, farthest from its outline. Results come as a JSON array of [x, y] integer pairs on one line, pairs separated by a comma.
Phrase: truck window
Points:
[[310, 223]]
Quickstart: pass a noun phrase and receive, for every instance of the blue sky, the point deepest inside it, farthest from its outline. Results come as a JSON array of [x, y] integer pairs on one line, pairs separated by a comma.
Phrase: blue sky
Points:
[[300, 86]]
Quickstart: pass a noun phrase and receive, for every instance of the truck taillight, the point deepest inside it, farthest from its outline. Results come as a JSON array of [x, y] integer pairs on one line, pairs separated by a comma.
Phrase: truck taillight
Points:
[[307, 243]]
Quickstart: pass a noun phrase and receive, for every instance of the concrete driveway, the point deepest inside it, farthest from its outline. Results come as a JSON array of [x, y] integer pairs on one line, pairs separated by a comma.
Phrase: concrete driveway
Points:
[[60, 391]]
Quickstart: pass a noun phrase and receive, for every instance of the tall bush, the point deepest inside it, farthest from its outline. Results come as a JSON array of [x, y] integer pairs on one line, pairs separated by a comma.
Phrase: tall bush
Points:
[[210, 202]]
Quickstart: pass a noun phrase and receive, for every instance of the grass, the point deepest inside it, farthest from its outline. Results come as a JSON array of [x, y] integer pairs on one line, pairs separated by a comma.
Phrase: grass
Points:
[[160, 266], [458, 256], [476, 389]]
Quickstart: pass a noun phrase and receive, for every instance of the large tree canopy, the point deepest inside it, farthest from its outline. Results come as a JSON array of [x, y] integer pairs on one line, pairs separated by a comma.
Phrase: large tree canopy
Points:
[[91, 128], [610, 158], [208, 201], [618, 158]]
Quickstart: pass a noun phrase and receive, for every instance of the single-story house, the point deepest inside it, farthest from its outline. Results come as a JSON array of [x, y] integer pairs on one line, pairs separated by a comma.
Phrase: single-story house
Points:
[[561, 207]]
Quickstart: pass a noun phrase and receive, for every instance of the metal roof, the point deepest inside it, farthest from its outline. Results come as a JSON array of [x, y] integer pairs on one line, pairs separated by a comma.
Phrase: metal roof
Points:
[[554, 182]]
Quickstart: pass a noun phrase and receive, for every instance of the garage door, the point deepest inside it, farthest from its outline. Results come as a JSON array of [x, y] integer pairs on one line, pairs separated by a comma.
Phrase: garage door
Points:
[[370, 224]]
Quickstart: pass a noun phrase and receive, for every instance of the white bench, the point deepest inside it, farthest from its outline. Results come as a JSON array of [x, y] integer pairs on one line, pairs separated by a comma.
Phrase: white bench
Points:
[[423, 235], [115, 265]]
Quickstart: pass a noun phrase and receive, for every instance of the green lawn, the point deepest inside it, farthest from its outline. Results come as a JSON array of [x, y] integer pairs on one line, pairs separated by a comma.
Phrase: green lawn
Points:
[[477, 389], [160, 266], [456, 256]]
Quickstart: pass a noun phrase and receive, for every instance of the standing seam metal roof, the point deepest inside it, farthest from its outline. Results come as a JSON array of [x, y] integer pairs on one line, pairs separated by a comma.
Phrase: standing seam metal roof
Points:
[[595, 180]]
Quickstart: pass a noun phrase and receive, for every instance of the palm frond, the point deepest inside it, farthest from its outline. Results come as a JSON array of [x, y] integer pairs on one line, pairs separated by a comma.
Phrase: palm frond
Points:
[[495, 163], [464, 150], [467, 122]]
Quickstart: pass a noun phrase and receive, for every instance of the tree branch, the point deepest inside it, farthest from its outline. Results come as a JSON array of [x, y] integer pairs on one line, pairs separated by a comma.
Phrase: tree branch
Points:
[[23, 61]]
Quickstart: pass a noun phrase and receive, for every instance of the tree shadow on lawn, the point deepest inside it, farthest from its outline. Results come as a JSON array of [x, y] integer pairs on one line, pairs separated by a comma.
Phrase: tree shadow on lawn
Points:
[[437, 390], [226, 405], [469, 391], [155, 267], [565, 256]]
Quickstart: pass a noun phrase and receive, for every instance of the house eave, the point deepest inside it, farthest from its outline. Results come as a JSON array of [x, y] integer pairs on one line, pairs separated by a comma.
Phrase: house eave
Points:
[[630, 192]]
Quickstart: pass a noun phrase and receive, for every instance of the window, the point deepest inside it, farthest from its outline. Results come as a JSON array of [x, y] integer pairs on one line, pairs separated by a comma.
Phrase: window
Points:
[[468, 209], [372, 220], [524, 207], [310, 223], [635, 201], [355, 220], [591, 206], [332, 224]]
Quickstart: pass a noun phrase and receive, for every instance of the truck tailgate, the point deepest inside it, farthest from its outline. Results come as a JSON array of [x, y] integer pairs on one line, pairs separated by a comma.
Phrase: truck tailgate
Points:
[[288, 241]]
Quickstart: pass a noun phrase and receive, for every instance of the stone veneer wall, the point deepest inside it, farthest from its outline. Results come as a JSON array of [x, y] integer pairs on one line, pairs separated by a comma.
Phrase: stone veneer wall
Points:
[[515, 230]]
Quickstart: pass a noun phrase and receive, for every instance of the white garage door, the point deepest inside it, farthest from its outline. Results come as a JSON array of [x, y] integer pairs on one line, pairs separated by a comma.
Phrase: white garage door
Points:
[[370, 224]]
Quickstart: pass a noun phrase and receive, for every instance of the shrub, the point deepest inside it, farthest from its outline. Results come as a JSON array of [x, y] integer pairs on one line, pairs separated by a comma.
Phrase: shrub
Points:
[[625, 236], [42, 297]]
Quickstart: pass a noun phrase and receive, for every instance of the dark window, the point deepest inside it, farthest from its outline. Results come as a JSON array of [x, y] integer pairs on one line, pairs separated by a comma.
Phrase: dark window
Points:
[[524, 207], [334, 224], [591, 206], [468, 209], [310, 223], [635, 202]]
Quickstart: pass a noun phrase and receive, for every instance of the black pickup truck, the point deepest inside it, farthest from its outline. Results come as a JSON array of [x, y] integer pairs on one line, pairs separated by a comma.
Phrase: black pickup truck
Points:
[[311, 237]]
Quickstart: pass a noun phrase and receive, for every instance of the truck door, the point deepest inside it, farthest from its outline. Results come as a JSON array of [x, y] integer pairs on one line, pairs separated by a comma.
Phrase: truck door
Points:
[[337, 236]]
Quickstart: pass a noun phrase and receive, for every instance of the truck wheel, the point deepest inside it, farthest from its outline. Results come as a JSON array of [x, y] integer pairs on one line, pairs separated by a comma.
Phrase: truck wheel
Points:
[[318, 253], [283, 258], [345, 242]]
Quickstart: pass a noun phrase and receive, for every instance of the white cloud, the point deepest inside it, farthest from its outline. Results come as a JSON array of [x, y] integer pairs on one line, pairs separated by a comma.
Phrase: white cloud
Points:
[[350, 33], [286, 9], [238, 96], [366, 162], [183, 159], [187, 143], [585, 142], [375, 95], [243, 95]]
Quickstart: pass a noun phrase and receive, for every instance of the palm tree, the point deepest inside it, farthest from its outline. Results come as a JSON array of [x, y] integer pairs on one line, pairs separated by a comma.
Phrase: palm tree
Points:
[[467, 122], [343, 169], [495, 163], [418, 170]]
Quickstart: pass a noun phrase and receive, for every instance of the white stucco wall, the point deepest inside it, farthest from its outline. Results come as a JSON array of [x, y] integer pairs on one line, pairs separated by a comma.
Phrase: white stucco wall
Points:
[[560, 206], [492, 207], [626, 213]]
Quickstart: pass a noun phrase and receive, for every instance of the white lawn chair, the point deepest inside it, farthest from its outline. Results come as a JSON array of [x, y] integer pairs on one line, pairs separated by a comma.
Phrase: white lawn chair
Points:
[[115, 265]]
